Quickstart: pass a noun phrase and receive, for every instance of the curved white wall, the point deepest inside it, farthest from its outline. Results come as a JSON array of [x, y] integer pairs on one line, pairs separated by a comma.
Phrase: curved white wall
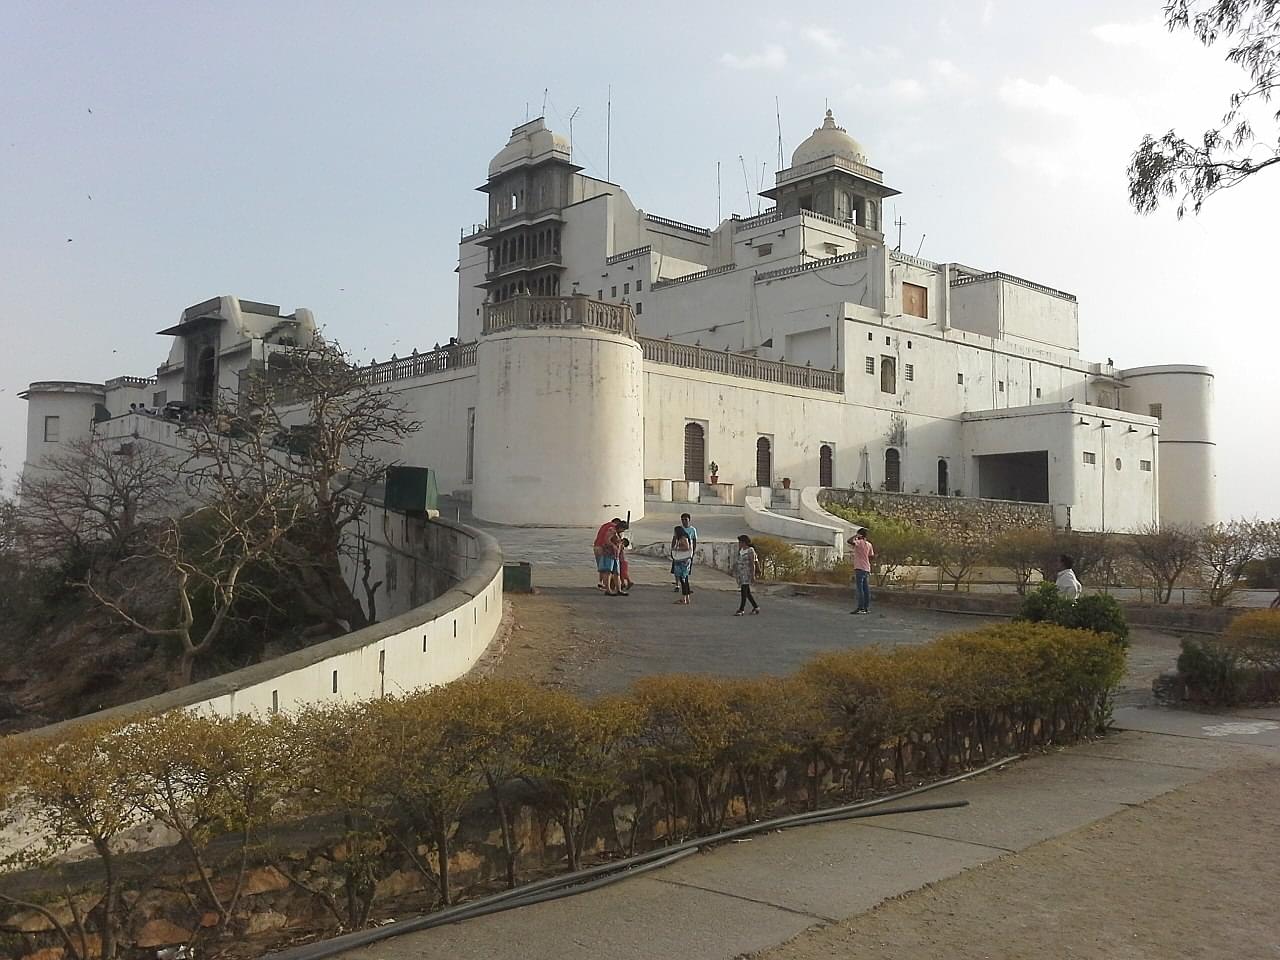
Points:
[[71, 402], [560, 429], [428, 645], [1188, 478]]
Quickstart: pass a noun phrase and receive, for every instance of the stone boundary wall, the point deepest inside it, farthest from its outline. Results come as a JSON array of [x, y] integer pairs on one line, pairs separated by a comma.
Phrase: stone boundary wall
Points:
[[426, 646], [961, 517]]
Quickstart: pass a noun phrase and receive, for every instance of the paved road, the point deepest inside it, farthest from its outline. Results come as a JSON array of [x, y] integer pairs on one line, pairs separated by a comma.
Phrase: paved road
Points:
[[650, 634]]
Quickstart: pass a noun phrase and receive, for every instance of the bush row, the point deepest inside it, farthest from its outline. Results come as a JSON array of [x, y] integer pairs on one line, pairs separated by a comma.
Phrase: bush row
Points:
[[1216, 560], [389, 782]]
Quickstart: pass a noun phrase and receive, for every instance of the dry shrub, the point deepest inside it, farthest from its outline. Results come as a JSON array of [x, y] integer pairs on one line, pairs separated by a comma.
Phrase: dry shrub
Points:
[[388, 783], [1254, 637], [779, 559]]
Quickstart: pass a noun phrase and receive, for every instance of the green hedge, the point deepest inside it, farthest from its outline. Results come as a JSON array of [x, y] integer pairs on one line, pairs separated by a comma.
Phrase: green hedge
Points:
[[1098, 612]]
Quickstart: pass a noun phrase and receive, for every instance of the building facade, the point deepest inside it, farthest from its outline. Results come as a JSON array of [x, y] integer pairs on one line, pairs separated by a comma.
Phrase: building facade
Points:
[[601, 347]]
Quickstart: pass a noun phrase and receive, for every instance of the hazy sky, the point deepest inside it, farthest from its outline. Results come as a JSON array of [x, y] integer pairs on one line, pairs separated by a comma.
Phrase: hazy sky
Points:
[[325, 155]]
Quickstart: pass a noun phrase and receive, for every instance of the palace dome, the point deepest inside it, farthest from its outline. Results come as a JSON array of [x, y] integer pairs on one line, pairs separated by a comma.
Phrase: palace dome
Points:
[[530, 142], [828, 140]]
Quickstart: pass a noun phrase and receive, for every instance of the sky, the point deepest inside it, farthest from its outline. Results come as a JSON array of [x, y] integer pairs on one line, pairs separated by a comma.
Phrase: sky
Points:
[[325, 155]]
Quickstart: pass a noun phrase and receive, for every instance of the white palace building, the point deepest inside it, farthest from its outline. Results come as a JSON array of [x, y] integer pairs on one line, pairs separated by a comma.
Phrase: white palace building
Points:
[[605, 355]]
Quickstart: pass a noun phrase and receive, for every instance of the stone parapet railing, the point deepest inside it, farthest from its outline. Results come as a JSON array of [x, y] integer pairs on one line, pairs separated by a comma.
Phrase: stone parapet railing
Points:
[[840, 163], [676, 224], [442, 360], [694, 357], [760, 219], [524, 311], [117, 382], [811, 265], [1010, 278], [628, 254], [690, 277], [914, 261]]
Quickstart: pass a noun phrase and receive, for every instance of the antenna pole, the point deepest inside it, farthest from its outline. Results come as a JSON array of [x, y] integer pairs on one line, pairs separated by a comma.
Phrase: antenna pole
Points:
[[746, 183], [544, 100], [608, 133], [571, 116], [921, 247], [899, 223], [778, 110]]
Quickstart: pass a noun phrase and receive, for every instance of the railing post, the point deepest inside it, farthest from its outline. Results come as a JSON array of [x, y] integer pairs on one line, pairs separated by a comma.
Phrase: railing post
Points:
[[578, 311], [521, 304]]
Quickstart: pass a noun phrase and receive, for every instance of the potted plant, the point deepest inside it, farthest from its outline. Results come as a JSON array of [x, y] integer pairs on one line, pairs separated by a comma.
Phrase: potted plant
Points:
[[715, 472], [786, 483]]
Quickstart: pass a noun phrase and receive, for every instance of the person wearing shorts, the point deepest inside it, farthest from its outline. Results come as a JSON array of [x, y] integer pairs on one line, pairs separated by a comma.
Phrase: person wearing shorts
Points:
[[603, 569]]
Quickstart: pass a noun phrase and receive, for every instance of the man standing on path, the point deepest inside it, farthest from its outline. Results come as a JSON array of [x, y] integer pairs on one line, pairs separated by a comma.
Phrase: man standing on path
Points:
[[863, 554], [690, 531]]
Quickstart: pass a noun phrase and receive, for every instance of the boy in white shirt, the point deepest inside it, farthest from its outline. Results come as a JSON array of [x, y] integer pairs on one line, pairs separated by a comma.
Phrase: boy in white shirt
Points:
[[1068, 585]]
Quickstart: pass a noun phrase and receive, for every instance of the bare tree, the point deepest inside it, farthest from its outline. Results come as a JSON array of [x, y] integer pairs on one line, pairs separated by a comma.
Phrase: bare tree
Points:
[[332, 427], [1021, 551], [1165, 552], [246, 508], [1230, 152], [1269, 553], [1224, 551], [94, 494]]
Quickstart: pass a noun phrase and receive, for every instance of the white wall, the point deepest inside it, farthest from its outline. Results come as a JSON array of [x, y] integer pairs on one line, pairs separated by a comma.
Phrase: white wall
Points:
[[439, 402], [429, 645], [1101, 496], [560, 434], [1189, 481], [73, 405]]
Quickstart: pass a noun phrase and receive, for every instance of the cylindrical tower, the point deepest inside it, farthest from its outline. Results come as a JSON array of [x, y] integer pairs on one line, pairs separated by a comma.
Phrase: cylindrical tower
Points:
[[559, 435], [1180, 396], [59, 412]]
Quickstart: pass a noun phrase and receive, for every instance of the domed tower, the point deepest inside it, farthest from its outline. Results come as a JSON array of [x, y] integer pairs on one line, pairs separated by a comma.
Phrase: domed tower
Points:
[[530, 183], [830, 175], [1180, 396]]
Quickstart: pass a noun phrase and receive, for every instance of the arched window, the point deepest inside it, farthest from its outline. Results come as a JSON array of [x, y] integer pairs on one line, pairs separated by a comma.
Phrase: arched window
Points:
[[892, 470], [944, 486], [764, 462], [888, 375], [826, 466], [695, 452]]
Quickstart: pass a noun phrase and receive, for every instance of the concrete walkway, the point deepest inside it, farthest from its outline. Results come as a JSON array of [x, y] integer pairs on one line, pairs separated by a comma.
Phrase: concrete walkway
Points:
[[751, 896]]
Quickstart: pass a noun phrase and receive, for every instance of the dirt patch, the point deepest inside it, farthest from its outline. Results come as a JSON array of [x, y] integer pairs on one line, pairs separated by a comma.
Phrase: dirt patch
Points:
[[1189, 874], [549, 642]]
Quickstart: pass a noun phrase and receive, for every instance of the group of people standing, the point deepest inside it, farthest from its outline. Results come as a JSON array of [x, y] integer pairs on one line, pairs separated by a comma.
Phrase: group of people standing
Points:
[[610, 548], [614, 579]]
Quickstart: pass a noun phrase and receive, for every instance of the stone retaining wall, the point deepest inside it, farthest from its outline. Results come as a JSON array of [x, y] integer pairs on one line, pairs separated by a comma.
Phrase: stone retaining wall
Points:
[[961, 517]]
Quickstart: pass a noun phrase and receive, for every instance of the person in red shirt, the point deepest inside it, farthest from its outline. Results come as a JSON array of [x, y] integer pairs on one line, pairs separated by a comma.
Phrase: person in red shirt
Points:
[[863, 554], [607, 557]]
